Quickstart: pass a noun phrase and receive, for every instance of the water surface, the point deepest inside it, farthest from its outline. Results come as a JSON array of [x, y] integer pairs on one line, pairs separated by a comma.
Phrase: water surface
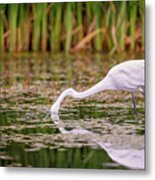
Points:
[[99, 132]]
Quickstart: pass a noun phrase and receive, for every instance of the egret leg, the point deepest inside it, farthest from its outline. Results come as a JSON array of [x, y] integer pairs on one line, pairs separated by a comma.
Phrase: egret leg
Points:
[[134, 104]]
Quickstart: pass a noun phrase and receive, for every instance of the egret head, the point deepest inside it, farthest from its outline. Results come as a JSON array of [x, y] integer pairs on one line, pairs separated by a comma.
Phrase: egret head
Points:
[[68, 92]]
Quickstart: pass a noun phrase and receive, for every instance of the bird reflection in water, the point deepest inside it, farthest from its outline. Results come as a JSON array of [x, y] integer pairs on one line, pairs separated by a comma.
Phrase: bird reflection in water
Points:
[[128, 157]]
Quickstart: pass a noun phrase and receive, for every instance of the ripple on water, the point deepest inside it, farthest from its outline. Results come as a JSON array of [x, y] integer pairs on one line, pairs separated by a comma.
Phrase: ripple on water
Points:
[[26, 97]]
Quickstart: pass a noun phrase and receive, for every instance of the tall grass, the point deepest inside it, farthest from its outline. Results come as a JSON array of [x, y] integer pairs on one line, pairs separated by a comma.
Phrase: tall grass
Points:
[[133, 15], [44, 27], [37, 11], [121, 26], [97, 11], [13, 12], [99, 26], [68, 26], [2, 26]]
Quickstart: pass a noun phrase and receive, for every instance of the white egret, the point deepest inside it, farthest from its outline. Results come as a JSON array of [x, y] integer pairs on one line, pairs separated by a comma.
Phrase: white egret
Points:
[[128, 76]]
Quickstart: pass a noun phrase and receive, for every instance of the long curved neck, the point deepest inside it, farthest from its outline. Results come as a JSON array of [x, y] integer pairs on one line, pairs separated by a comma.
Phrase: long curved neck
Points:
[[105, 84], [65, 93]]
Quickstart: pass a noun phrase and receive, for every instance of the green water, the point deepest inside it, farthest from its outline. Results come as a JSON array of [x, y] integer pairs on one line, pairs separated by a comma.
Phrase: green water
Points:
[[30, 83]]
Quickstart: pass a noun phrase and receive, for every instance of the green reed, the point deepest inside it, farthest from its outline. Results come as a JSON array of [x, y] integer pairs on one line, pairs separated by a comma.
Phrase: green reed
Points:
[[133, 14], [97, 11], [99, 26], [19, 29], [142, 17], [25, 27], [2, 10], [44, 26], [37, 11], [55, 26], [79, 20], [12, 18], [68, 26], [121, 25]]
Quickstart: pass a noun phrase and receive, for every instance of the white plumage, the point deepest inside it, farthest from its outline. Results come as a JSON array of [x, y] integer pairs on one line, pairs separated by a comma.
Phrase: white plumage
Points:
[[128, 76]]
